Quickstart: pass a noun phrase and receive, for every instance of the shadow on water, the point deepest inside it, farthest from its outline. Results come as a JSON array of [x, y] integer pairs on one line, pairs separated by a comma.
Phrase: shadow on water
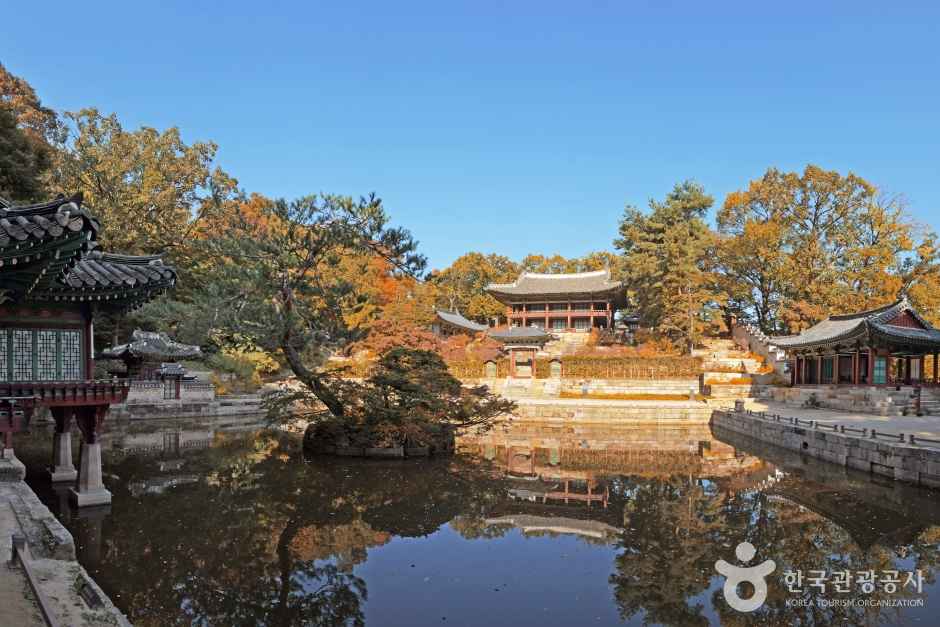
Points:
[[226, 523]]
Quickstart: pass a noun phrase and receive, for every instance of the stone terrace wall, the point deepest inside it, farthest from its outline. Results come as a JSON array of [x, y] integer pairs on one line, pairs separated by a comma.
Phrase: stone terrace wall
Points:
[[631, 386], [621, 412], [912, 464]]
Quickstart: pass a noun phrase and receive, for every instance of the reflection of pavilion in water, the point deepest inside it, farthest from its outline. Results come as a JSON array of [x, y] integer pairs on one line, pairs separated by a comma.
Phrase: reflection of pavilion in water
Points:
[[174, 439], [559, 475], [584, 452]]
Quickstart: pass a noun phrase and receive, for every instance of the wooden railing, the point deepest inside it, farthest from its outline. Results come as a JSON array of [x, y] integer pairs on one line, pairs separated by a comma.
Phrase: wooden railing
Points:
[[64, 393]]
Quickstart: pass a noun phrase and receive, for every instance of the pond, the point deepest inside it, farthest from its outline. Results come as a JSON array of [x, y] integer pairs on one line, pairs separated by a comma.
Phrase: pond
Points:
[[217, 523]]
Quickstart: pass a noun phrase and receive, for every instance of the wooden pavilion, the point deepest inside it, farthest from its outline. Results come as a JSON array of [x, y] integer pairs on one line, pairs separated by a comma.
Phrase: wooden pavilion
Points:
[[447, 323], [557, 303], [881, 347], [522, 344], [52, 283]]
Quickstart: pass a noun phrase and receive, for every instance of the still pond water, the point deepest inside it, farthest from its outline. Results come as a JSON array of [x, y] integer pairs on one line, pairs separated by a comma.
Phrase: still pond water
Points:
[[222, 523]]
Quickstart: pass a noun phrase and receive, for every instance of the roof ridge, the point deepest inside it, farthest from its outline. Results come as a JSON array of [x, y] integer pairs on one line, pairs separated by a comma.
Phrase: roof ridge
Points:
[[870, 312], [564, 275]]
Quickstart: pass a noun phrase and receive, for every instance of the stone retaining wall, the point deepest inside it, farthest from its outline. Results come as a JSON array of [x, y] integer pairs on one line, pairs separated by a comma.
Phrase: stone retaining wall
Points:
[[613, 411], [902, 462]]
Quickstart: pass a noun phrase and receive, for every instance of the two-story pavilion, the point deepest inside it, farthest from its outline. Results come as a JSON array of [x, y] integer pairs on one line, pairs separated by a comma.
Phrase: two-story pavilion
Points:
[[576, 301], [883, 346], [52, 283]]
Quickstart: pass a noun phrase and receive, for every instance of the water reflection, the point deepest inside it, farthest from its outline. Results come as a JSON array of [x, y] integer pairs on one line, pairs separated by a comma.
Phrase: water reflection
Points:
[[528, 525]]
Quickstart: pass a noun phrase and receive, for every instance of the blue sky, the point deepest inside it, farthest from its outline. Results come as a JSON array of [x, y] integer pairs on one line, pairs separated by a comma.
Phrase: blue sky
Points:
[[509, 127]]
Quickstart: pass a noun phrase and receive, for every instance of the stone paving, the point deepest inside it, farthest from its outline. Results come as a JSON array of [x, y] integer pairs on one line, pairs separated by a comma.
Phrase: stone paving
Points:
[[919, 426], [53, 562]]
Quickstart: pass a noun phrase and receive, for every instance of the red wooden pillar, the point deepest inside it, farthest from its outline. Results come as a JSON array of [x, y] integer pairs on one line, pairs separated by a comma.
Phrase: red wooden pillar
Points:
[[835, 369], [855, 366], [819, 361], [907, 370], [935, 371], [569, 316], [871, 367], [920, 371], [796, 360]]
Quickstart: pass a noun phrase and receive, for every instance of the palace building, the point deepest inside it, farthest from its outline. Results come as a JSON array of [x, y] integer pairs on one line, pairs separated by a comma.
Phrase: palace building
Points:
[[53, 282], [884, 346], [560, 303]]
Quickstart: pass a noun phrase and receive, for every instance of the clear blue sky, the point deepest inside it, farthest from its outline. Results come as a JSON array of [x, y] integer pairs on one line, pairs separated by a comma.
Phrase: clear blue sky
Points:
[[509, 127]]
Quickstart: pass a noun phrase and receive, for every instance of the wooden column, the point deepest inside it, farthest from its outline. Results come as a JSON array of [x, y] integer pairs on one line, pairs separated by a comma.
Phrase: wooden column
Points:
[[856, 365], [819, 361], [907, 370], [921, 378], [569, 315], [871, 367], [796, 360], [835, 368], [935, 371]]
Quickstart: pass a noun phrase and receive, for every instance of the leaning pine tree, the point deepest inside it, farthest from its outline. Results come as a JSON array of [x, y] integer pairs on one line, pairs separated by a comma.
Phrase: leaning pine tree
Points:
[[277, 286]]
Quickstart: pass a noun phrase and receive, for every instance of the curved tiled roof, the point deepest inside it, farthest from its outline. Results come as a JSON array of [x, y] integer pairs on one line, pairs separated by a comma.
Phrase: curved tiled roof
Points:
[[454, 318], [47, 254], [532, 283], [154, 345], [520, 334], [40, 243], [118, 281], [871, 323], [27, 224], [100, 270]]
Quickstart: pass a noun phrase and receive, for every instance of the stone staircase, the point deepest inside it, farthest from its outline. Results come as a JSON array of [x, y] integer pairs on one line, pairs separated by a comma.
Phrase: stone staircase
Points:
[[749, 337], [566, 344], [724, 355]]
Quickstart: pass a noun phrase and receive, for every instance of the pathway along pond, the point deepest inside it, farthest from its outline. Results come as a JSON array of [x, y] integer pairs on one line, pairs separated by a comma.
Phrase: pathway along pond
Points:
[[219, 523]]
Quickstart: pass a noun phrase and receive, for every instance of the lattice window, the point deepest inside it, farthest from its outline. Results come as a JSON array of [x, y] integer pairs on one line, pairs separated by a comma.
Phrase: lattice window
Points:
[[45, 355], [22, 355], [881, 371], [71, 355], [4, 356]]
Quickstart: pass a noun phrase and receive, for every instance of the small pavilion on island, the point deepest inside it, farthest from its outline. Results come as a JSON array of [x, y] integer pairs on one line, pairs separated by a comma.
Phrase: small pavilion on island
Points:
[[880, 347], [52, 283], [154, 357], [560, 303], [522, 344]]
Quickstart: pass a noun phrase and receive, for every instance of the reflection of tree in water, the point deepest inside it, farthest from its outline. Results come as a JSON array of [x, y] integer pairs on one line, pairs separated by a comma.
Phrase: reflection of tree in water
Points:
[[269, 539], [667, 557], [675, 530]]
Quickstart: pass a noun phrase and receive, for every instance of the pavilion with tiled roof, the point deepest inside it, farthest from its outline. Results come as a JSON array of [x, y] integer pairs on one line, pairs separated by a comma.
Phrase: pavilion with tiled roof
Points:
[[53, 280], [453, 323], [883, 346], [577, 301]]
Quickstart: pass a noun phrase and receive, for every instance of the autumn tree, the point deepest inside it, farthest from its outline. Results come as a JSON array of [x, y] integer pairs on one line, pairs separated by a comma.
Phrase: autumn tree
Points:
[[666, 259], [460, 286], [150, 186], [796, 247]]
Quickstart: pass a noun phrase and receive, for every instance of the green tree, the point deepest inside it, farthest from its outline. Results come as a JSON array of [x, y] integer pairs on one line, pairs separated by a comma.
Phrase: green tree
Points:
[[666, 260], [22, 161]]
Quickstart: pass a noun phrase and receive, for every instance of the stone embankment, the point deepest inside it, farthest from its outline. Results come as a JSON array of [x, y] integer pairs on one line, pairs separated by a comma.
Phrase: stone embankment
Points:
[[45, 578], [897, 456], [588, 410]]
